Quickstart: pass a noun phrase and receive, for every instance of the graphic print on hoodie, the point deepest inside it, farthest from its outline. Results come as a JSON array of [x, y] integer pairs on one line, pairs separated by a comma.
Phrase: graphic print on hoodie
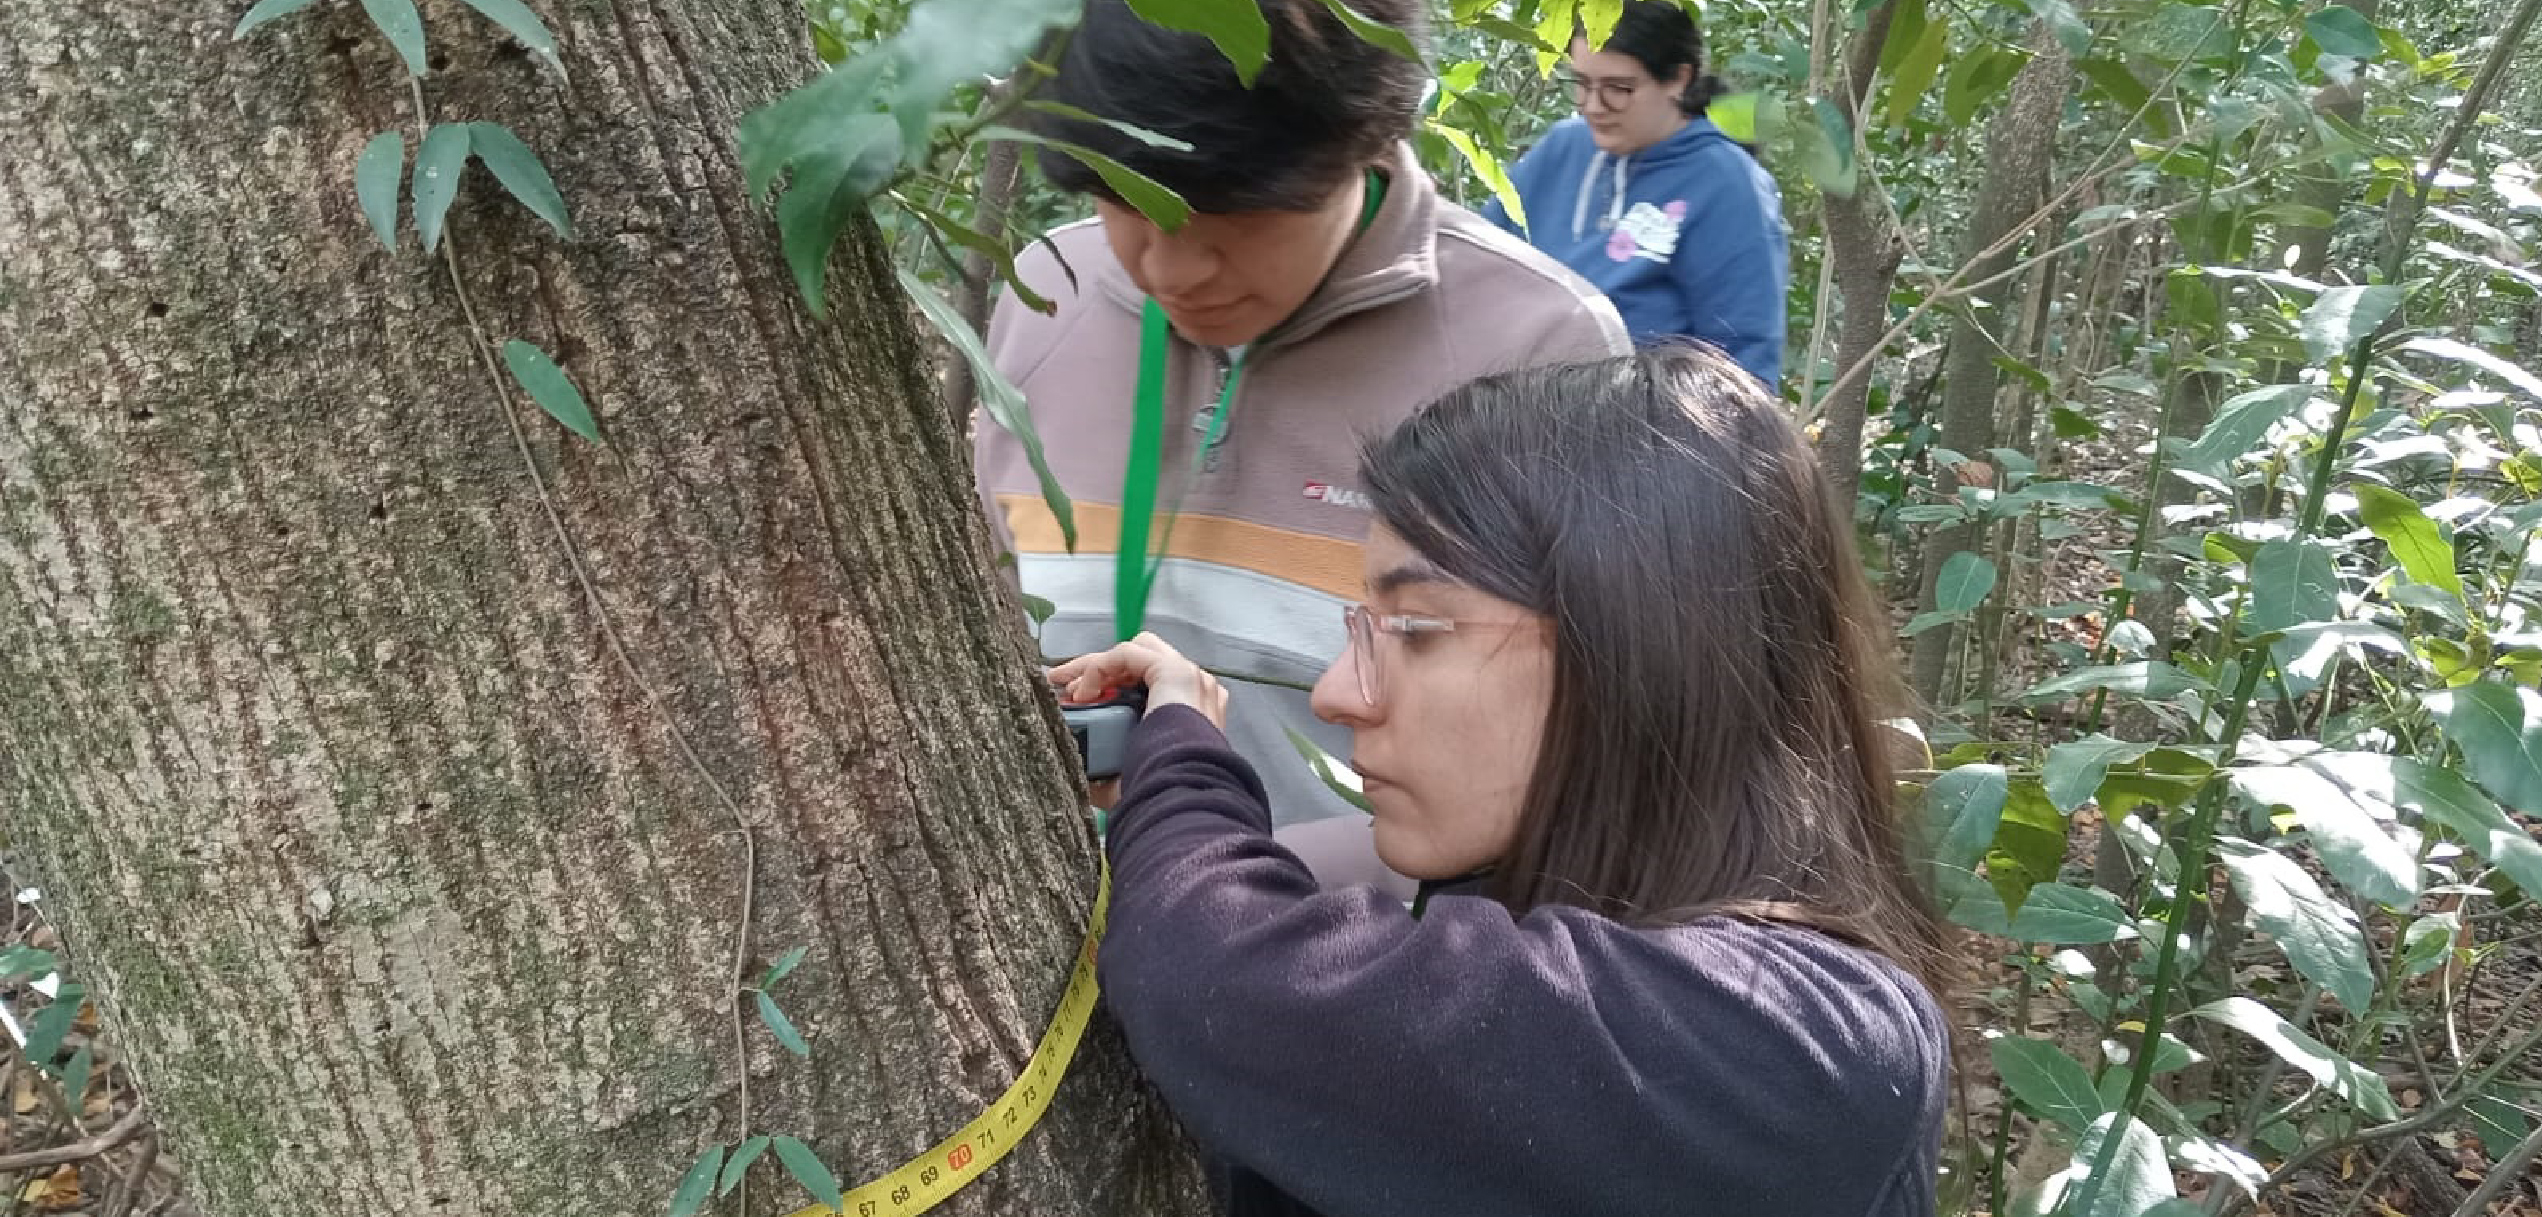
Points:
[[1686, 237]]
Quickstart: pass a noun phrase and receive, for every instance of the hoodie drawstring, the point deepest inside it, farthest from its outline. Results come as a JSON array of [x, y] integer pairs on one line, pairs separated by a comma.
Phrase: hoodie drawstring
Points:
[[1588, 186]]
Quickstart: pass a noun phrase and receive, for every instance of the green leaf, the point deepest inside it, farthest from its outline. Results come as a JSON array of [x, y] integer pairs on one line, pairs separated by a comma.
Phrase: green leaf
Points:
[[2341, 316], [21, 962], [403, 27], [45, 1032], [1964, 582], [2074, 769], [1598, 18], [779, 1025], [743, 1155], [2500, 1122], [2499, 728], [804, 125], [827, 193], [548, 385], [2319, 935], [1161, 206], [2463, 352], [1141, 134], [2416, 544], [376, 176], [1487, 167], [267, 10], [2344, 31], [1236, 27], [1375, 33], [1930, 621], [1827, 149], [1336, 775], [2354, 844], [519, 170], [999, 256], [2428, 943], [1916, 69], [2292, 583], [2070, 31], [2047, 1081], [2443, 797], [2029, 846], [2152, 679], [1735, 114], [2356, 1083], [1961, 810], [518, 21], [2114, 79], [438, 165], [2139, 1179], [785, 964], [945, 43], [75, 1075], [1977, 79], [998, 395], [694, 1186], [2240, 424], [807, 1170], [2054, 913], [2306, 650]]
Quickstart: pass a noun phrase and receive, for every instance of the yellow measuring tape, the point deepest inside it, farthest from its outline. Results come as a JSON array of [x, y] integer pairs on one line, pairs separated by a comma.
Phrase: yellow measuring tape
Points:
[[933, 1177]]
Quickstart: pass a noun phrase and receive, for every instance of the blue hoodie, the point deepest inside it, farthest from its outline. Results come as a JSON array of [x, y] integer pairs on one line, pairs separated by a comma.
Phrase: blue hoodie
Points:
[[1686, 236]]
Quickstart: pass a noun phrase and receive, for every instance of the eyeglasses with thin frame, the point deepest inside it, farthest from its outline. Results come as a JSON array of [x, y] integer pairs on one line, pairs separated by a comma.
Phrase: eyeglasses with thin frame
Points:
[[1612, 94], [1365, 623]]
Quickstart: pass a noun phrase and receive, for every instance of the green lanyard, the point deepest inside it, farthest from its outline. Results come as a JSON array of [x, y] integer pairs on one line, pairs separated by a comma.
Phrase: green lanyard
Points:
[[1133, 572]]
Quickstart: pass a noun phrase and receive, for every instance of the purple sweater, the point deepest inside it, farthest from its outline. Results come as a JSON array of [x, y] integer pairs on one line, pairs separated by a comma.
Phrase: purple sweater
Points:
[[1341, 1058]]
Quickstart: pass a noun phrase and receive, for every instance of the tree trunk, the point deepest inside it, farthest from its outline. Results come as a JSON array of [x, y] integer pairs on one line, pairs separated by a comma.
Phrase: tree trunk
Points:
[[1865, 249], [2020, 148], [399, 853]]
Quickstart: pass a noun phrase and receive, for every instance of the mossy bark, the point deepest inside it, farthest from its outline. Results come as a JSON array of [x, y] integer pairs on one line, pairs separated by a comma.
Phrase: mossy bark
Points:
[[397, 855]]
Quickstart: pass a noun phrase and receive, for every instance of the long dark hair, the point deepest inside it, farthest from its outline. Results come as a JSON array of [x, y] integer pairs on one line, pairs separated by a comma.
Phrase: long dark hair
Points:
[[1663, 37], [1713, 744]]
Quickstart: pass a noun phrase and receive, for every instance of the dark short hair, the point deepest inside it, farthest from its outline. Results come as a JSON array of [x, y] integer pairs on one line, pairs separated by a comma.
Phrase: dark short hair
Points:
[[1326, 105], [1713, 744], [1663, 37]]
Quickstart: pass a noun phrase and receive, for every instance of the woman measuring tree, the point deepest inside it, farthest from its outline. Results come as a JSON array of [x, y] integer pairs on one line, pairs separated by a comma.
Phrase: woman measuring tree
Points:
[[1613, 698]]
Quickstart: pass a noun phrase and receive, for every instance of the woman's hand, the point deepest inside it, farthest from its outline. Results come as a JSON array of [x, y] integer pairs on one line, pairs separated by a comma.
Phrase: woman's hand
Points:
[[1171, 680]]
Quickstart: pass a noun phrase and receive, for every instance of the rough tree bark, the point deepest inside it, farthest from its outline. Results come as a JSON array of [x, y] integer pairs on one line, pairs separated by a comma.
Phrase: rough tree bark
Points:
[[2020, 149], [1865, 249], [405, 891]]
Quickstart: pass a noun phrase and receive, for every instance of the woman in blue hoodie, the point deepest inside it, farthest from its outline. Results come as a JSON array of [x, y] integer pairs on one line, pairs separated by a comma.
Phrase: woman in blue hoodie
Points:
[[1646, 198], [1612, 700]]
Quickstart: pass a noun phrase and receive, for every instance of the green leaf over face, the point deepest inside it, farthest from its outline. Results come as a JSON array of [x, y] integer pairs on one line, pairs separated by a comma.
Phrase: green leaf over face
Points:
[[1161, 206], [518, 168], [548, 385], [946, 43], [2319, 935], [1236, 27], [376, 176], [438, 165], [403, 27]]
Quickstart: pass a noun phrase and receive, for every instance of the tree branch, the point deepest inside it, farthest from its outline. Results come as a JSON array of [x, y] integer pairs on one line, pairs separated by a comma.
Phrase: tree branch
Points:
[[134, 1121]]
